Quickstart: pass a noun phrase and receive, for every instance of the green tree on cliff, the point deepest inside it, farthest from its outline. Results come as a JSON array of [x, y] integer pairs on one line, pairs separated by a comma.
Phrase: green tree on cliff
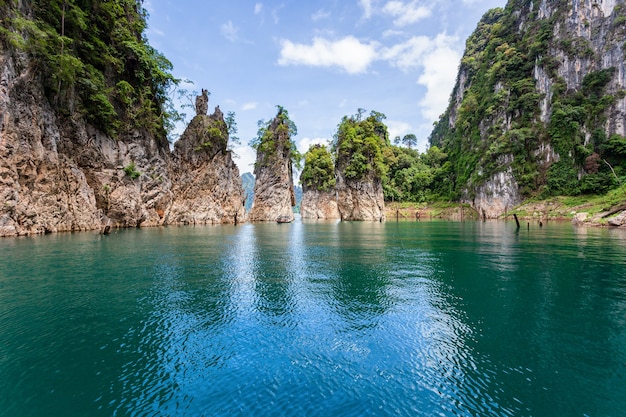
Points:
[[319, 169], [274, 139], [94, 60], [360, 145]]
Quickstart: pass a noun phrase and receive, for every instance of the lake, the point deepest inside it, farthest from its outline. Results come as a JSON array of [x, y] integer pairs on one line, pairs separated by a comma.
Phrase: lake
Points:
[[428, 318]]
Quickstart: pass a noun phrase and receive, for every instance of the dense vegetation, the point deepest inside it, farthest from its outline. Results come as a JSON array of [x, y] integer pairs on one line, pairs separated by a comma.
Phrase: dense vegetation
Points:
[[359, 146], [319, 169], [92, 58], [497, 123], [361, 151], [274, 140]]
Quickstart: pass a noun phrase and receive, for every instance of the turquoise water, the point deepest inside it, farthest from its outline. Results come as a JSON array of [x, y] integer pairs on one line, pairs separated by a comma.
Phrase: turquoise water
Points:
[[315, 319]]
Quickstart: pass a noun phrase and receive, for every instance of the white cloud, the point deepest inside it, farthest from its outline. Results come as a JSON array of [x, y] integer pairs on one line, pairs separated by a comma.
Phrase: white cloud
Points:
[[438, 58], [406, 13], [305, 143], [246, 158], [390, 33], [439, 76], [275, 13], [258, 8], [249, 106], [320, 14], [348, 53], [397, 128], [155, 31], [367, 8], [409, 54], [229, 31]]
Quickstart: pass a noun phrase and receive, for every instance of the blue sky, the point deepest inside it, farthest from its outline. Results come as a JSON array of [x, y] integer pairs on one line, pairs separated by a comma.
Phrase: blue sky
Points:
[[320, 60]]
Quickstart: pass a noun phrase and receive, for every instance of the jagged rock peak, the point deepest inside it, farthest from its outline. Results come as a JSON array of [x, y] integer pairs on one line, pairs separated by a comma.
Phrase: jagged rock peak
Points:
[[359, 167], [540, 95], [202, 103], [274, 195], [207, 188]]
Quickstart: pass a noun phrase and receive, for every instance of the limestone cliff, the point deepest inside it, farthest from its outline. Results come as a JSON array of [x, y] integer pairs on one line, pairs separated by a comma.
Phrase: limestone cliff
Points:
[[359, 167], [319, 204], [539, 104], [274, 194], [73, 158], [360, 200], [319, 199], [206, 186], [64, 175]]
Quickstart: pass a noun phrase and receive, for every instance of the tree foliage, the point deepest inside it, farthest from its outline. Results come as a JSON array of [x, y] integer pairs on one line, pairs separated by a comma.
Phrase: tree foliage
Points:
[[319, 169], [274, 140], [94, 58], [494, 123], [360, 144]]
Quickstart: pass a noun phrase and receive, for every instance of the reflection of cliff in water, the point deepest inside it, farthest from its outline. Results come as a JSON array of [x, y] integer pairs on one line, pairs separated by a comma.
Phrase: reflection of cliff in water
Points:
[[358, 285], [522, 288], [272, 279], [188, 313]]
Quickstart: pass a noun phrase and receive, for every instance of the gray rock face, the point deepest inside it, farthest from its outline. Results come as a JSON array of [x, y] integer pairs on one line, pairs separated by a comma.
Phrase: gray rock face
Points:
[[361, 200], [580, 219], [619, 220], [202, 103], [496, 196], [207, 188], [586, 36], [274, 194], [319, 205], [63, 175]]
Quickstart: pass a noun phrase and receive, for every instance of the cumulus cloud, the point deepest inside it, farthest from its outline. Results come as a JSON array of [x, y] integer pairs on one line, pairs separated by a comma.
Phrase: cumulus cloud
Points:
[[246, 158], [406, 13], [305, 143], [349, 54], [320, 14], [438, 77], [434, 60], [366, 5], [249, 106], [397, 128], [438, 59], [258, 8], [230, 31]]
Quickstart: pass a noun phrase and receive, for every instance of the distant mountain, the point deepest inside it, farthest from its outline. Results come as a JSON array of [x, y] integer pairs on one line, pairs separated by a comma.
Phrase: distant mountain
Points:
[[297, 190], [248, 188]]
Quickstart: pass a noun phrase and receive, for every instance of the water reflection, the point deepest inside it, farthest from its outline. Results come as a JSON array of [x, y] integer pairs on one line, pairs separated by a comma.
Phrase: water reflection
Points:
[[552, 308], [273, 285], [185, 331], [407, 318], [357, 278]]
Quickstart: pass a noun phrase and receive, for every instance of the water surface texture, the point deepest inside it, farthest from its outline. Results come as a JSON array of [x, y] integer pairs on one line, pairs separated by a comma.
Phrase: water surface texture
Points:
[[315, 319]]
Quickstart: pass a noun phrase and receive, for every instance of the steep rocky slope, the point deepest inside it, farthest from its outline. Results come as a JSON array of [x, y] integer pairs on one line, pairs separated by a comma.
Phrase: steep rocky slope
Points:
[[274, 194], [539, 104], [206, 185], [86, 148], [63, 174], [359, 167]]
